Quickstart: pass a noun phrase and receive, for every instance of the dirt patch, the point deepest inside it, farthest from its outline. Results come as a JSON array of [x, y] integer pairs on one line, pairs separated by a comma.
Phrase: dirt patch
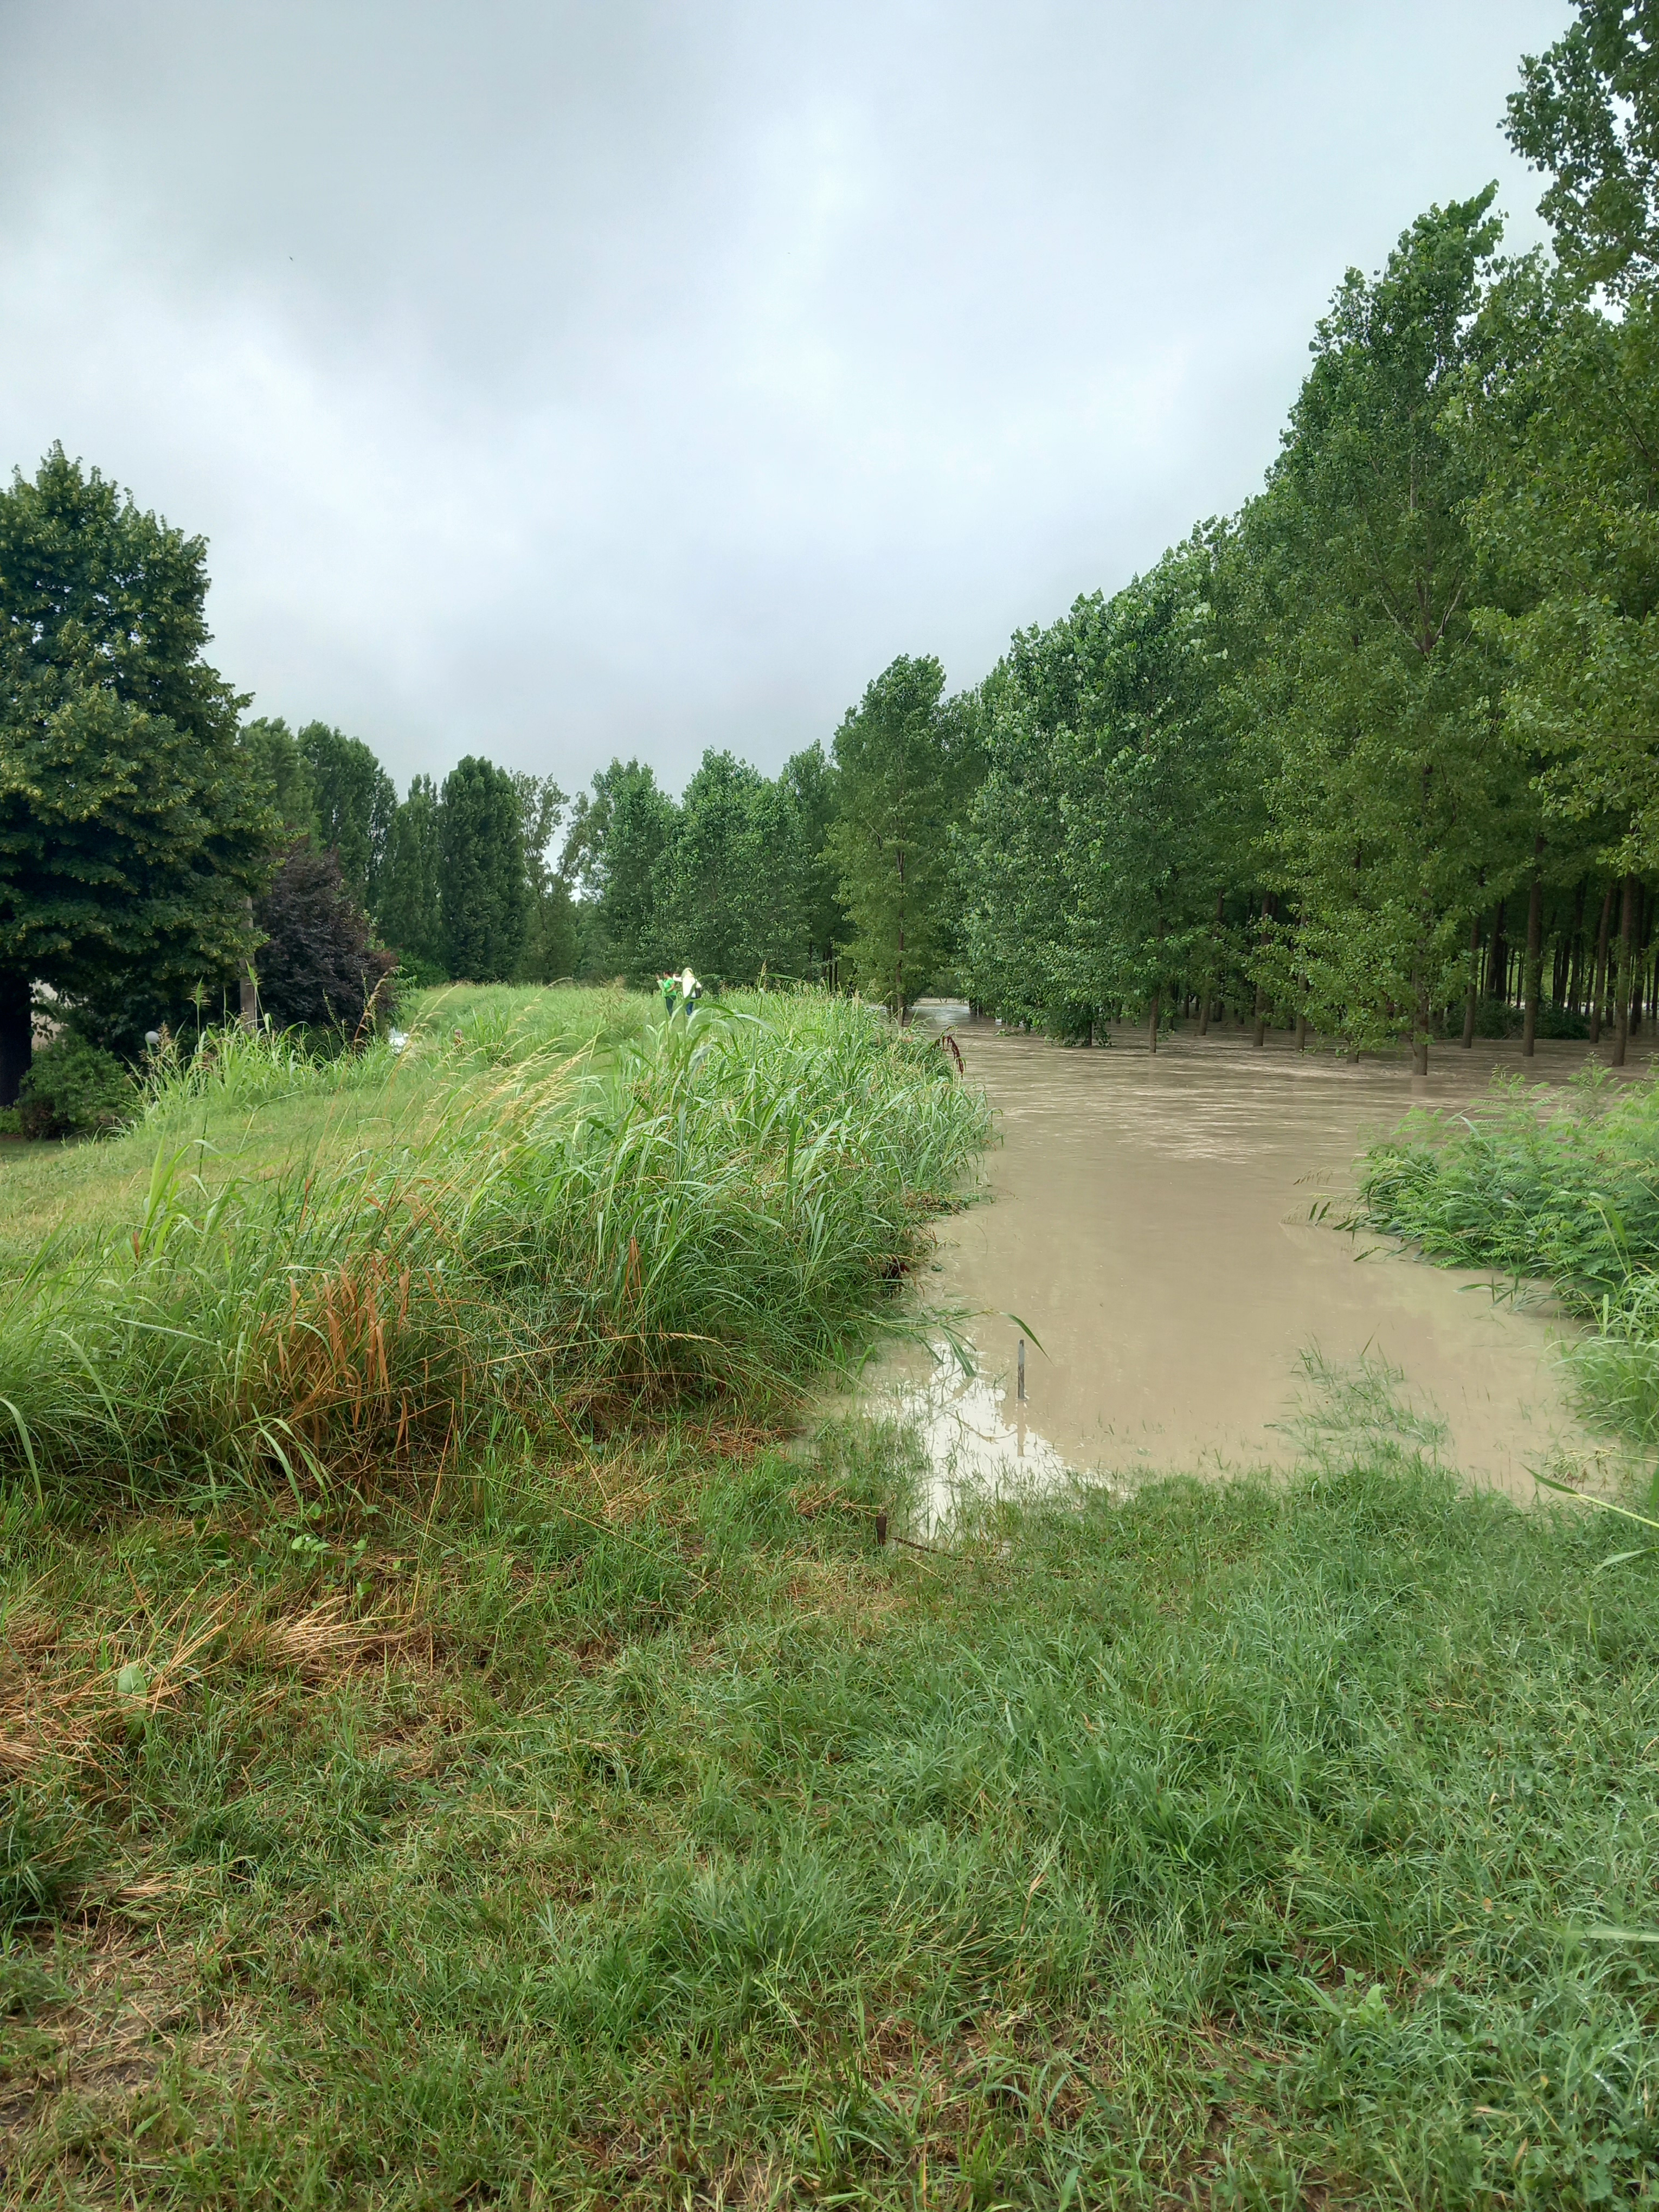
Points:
[[844, 1591]]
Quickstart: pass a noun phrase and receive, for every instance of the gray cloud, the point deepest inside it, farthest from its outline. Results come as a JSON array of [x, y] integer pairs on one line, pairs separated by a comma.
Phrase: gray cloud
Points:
[[554, 380]]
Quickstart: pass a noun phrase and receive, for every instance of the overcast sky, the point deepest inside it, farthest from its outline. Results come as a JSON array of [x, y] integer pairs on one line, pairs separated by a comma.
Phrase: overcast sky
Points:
[[556, 380]]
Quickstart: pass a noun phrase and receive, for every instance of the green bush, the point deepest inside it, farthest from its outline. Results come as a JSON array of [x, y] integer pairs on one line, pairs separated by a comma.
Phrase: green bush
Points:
[[75, 1090], [413, 973]]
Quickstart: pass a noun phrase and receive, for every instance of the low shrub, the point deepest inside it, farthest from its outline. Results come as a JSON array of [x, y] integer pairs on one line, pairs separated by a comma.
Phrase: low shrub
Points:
[[74, 1089]]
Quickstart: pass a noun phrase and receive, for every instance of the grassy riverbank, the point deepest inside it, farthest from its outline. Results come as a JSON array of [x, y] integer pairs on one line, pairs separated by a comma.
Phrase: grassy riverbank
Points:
[[497, 1233], [1564, 1191], [581, 1806]]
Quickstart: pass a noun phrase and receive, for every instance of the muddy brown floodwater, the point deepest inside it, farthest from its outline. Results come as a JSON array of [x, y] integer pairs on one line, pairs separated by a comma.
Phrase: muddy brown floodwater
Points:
[[1154, 1222]]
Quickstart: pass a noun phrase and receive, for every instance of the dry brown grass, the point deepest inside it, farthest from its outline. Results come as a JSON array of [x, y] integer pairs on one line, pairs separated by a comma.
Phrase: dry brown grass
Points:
[[73, 1696]]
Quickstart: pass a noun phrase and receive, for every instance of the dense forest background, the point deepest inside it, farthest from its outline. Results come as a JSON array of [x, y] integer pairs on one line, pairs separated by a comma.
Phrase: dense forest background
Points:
[[1376, 758]]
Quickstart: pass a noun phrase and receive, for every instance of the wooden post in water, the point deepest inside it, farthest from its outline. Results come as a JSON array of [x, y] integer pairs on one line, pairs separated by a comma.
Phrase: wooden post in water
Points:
[[1019, 1373]]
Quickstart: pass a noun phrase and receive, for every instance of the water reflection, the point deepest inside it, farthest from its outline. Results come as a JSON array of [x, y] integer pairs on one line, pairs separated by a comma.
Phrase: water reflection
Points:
[[977, 1448]]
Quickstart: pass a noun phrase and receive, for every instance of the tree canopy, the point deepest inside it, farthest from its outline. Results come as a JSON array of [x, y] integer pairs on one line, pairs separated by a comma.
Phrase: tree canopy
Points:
[[133, 830]]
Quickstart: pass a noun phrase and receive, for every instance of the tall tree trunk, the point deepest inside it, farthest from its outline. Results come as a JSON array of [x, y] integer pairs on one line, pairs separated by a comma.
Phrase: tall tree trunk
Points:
[[1498, 958], [16, 1033], [1575, 965], [1599, 970], [1638, 961], [1302, 1032], [1533, 976], [1473, 992], [247, 987], [1627, 941]]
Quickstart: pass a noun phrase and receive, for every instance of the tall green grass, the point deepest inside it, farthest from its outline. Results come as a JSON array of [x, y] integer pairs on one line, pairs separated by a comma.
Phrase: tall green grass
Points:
[[1566, 1194], [458, 1026], [721, 1207]]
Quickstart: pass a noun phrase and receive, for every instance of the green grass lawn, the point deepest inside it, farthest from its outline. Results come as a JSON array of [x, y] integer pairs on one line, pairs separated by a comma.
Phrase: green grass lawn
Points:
[[255, 1118], [599, 1814]]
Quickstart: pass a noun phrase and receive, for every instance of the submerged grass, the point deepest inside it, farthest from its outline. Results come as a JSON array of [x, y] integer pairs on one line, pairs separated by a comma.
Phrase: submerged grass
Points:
[[1539, 1192], [719, 1207], [658, 1838]]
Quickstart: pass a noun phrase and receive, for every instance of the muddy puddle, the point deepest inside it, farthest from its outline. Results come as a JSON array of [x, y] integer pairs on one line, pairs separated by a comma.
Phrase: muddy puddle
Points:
[[1163, 1227]]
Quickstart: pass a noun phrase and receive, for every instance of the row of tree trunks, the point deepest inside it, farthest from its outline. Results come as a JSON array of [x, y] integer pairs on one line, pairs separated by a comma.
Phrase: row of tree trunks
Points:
[[1609, 973]]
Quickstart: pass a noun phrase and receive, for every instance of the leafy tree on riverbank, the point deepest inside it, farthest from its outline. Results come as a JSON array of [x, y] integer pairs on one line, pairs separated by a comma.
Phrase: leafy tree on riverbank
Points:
[[1105, 835], [731, 900], [810, 783], [906, 766], [1389, 775], [410, 909], [1588, 114], [354, 800], [133, 828], [551, 943]]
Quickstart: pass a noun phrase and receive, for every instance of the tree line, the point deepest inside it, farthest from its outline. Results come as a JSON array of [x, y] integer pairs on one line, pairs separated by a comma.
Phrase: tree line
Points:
[[166, 860], [1376, 757]]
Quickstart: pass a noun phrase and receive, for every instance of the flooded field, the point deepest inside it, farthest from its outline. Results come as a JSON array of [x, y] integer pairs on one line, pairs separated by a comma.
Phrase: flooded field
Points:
[[1166, 1228]]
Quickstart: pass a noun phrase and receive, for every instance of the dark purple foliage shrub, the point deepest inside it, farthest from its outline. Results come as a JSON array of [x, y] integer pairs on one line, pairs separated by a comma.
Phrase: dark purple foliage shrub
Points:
[[319, 965]]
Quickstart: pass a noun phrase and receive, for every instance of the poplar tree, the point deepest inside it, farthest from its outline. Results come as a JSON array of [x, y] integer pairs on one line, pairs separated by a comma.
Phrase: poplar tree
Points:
[[810, 783], [1588, 113], [482, 887], [550, 943], [353, 801], [1388, 766], [284, 772], [409, 912], [622, 831], [905, 770], [1570, 514], [731, 885]]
